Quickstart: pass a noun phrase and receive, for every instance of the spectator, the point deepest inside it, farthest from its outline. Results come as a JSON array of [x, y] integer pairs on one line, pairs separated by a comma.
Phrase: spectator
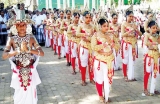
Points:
[[3, 28]]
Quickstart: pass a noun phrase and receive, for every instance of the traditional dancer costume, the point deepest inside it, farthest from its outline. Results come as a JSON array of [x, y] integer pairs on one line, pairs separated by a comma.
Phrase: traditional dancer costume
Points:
[[59, 35], [151, 60], [102, 45], [24, 58], [74, 41], [115, 29], [65, 40], [85, 31], [129, 52]]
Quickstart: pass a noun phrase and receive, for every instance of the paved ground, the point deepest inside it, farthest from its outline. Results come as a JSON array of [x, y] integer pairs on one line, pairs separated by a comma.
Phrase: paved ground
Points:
[[59, 86]]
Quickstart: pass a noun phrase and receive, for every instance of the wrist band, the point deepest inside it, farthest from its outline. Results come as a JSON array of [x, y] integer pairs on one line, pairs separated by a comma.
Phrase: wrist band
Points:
[[38, 52]]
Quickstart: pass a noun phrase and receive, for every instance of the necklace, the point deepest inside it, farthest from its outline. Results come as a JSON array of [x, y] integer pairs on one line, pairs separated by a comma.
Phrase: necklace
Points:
[[75, 24], [87, 26], [116, 24]]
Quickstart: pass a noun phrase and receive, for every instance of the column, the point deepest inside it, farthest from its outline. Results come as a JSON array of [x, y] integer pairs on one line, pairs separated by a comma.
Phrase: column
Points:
[[88, 3], [102, 4], [50, 4], [68, 3], [119, 3], [46, 4], [85, 3], [64, 4], [35, 2], [58, 4], [109, 3], [97, 4], [73, 4], [94, 4]]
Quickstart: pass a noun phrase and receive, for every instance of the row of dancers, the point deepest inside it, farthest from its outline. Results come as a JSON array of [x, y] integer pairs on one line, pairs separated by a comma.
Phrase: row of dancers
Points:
[[98, 44]]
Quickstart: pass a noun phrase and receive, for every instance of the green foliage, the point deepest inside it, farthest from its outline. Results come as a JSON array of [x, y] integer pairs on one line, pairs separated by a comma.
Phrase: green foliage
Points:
[[11, 2]]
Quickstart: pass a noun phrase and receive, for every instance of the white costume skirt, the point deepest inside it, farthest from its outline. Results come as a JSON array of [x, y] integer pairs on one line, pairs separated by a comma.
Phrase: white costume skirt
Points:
[[30, 95], [73, 49], [84, 55]]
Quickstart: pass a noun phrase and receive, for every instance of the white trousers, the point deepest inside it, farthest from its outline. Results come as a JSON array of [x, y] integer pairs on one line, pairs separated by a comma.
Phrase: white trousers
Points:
[[150, 69], [145, 49], [59, 40], [101, 76], [128, 59], [73, 49], [63, 53], [117, 58], [84, 55], [66, 45], [20, 95], [47, 39]]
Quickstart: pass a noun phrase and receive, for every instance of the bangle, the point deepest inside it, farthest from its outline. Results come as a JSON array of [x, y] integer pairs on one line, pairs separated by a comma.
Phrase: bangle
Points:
[[38, 52]]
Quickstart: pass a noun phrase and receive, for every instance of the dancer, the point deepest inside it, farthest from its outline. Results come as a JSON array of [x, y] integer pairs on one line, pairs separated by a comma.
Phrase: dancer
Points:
[[65, 42], [23, 61], [102, 44], [85, 31], [74, 40], [151, 63], [59, 33], [115, 29], [129, 52]]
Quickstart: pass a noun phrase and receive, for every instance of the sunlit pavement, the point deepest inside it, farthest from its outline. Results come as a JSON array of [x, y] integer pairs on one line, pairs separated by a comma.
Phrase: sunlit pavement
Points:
[[59, 86]]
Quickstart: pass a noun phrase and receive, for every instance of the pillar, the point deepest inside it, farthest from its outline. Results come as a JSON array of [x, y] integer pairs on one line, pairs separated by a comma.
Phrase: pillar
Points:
[[94, 4], [73, 4], [68, 3], [64, 4], [85, 3], [58, 4], [102, 4], [46, 4], [50, 4], [35, 4], [109, 3]]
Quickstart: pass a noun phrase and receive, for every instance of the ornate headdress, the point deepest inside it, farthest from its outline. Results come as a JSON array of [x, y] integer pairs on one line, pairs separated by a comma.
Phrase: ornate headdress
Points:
[[85, 8], [112, 11], [149, 10], [27, 20], [14, 31], [76, 10], [130, 8]]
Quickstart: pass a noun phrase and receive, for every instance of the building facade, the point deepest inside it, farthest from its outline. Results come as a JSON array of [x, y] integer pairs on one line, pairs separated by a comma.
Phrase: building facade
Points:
[[81, 3]]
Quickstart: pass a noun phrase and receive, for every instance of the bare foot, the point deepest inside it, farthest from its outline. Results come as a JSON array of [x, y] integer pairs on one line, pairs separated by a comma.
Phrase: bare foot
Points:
[[146, 93], [93, 82], [74, 73], [67, 64], [126, 79], [84, 83], [101, 99]]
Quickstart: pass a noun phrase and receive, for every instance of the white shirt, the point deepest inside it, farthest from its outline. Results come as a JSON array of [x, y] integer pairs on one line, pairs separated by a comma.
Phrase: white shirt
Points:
[[3, 19], [38, 21], [34, 17]]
